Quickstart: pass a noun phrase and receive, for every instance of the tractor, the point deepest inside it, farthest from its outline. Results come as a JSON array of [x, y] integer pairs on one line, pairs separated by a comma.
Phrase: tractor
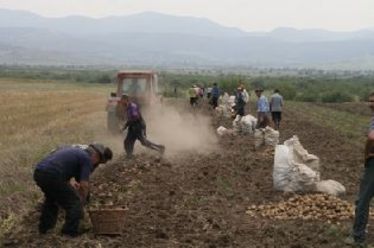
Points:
[[140, 86]]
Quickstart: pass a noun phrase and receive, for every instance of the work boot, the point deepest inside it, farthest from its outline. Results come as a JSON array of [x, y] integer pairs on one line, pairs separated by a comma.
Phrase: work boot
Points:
[[70, 234], [350, 240], [43, 230], [162, 150], [74, 234], [129, 157]]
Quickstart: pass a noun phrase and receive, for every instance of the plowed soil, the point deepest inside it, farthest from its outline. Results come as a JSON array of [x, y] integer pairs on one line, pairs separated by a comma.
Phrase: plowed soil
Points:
[[191, 200]]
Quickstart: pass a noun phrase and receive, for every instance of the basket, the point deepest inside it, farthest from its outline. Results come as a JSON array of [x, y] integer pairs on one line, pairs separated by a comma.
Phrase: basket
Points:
[[108, 221]]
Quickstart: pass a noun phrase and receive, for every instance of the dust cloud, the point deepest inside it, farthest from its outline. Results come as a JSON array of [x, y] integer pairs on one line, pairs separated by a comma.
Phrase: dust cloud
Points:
[[180, 130], [176, 127]]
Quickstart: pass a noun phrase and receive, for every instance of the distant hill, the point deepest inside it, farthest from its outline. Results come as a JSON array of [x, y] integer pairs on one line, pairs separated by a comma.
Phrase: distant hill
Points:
[[163, 40], [147, 22]]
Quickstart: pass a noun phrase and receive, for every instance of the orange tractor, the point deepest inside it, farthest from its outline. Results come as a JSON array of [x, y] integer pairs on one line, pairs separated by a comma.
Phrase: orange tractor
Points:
[[140, 86]]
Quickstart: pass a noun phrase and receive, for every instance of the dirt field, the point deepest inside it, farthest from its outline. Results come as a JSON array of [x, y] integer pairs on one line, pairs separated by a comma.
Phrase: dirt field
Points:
[[200, 200]]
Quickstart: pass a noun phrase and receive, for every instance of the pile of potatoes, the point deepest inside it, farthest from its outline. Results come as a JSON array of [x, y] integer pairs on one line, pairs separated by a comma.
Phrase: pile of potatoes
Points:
[[306, 207]]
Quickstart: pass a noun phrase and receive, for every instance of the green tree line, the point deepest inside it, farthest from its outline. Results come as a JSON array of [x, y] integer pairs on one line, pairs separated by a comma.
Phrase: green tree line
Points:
[[306, 88]]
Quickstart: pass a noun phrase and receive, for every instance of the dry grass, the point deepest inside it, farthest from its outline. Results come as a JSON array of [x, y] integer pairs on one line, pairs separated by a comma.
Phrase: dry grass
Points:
[[353, 126], [37, 116]]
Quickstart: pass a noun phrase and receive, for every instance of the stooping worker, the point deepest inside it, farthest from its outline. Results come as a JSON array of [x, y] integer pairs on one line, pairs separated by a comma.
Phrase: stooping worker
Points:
[[262, 109], [53, 175], [366, 189], [136, 129]]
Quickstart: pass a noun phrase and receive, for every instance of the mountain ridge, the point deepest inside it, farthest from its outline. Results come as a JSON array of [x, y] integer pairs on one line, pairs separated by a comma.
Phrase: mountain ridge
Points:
[[152, 38]]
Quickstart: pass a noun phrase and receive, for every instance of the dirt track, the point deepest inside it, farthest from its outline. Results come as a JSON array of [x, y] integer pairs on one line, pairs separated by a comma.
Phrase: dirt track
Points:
[[200, 200]]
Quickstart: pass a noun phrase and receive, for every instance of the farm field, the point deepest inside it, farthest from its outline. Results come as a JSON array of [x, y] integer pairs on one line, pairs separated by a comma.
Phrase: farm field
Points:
[[187, 199], [36, 116]]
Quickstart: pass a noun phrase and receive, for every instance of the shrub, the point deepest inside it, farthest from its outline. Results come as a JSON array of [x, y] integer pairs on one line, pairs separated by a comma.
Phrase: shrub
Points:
[[287, 90], [308, 96], [337, 96]]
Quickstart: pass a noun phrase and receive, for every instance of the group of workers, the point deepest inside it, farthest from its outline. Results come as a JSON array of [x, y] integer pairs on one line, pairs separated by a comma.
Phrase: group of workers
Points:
[[63, 175], [263, 106], [196, 93], [274, 106]]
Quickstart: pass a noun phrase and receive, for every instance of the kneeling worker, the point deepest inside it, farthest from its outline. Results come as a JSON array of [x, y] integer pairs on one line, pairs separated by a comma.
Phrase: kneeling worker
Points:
[[53, 175]]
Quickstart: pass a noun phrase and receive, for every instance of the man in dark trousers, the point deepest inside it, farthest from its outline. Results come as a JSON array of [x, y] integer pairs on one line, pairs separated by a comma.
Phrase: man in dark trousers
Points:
[[136, 129], [366, 190], [276, 105], [239, 101], [53, 175], [262, 106], [215, 93]]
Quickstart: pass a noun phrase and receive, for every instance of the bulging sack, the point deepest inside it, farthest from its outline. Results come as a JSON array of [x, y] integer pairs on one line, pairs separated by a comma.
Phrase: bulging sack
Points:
[[221, 131], [259, 137], [248, 124], [300, 155], [266, 136], [290, 172], [271, 136], [297, 170], [282, 169], [330, 187], [245, 124], [236, 125], [223, 110]]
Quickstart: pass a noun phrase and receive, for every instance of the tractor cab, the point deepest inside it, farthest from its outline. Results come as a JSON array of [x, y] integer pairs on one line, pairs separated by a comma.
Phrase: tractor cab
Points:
[[140, 86]]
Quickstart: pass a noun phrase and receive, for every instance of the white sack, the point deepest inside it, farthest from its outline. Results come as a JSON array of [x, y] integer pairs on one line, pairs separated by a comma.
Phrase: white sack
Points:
[[236, 125], [282, 169], [223, 110], [221, 130], [259, 137], [300, 155], [297, 170], [245, 124], [330, 187], [290, 171], [248, 124], [271, 136], [231, 101], [224, 131], [266, 136]]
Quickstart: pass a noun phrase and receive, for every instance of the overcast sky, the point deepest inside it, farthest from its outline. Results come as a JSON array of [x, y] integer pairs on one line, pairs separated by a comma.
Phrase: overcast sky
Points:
[[249, 15]]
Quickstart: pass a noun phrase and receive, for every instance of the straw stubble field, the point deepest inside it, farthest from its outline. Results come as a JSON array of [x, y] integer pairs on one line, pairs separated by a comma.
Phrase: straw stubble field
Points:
[[37, 116]]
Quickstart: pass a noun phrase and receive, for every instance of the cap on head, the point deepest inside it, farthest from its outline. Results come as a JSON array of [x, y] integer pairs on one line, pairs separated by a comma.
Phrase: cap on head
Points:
[[104, 153]]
